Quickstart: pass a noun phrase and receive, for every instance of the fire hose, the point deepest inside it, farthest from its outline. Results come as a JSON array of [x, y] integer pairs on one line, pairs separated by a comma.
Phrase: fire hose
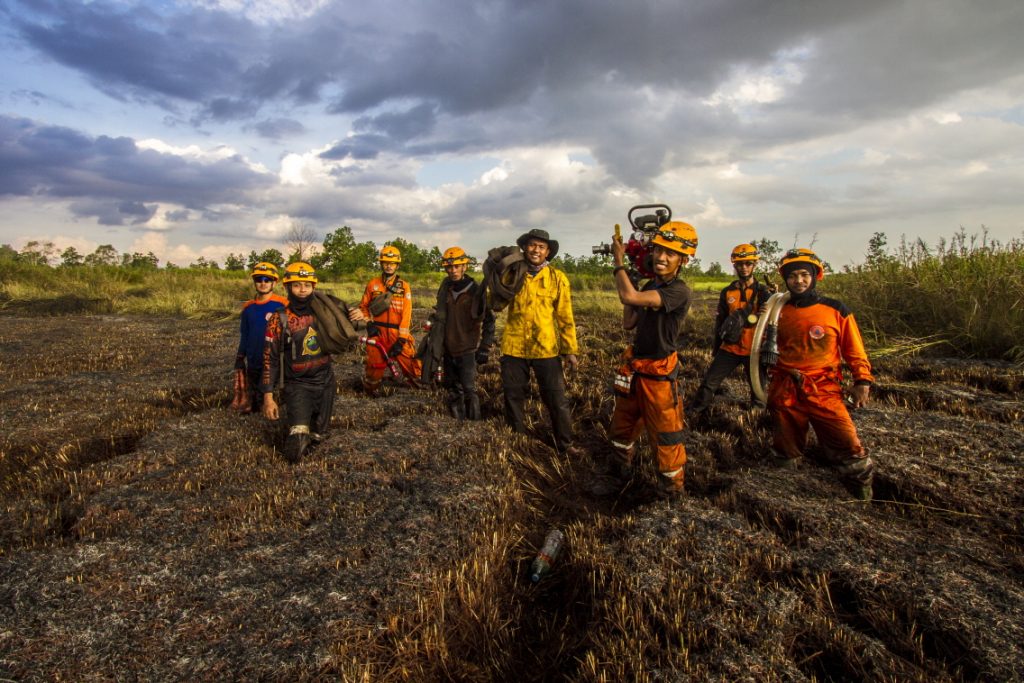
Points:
[[393, 367], [766, 331]]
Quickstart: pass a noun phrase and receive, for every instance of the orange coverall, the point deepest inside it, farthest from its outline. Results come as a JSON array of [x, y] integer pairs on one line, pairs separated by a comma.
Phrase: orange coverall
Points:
[[393, 324], [654, 402], [815, 337]]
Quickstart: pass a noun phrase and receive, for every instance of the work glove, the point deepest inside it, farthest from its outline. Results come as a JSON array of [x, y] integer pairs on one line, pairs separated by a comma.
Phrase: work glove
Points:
[[482, 356], [240, 401], [396, 349]]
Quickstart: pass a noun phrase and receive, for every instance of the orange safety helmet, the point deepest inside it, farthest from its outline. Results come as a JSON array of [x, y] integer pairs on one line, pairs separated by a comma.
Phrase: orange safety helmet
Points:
[[454, 256], [264, 269], [802, 256], [390, 254], [678, 236], [745, 253], [300, 271]]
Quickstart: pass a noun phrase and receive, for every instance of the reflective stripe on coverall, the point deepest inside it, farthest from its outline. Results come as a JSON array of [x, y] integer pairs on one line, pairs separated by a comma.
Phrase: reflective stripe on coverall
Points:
[[653, 402]]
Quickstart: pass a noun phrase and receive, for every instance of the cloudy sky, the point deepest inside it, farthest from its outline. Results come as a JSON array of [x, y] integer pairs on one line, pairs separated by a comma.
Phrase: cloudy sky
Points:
[[200, 127]]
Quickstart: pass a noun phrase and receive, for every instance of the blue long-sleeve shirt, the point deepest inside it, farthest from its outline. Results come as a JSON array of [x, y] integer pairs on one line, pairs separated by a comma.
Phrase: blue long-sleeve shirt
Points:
[[253, 327]]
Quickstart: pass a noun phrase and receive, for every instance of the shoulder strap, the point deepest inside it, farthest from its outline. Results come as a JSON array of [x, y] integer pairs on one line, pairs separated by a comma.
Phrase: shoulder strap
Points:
[[285, 341]]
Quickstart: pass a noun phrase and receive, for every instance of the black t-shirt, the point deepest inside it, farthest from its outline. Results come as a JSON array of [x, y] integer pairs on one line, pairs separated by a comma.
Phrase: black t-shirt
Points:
[[658, 329]]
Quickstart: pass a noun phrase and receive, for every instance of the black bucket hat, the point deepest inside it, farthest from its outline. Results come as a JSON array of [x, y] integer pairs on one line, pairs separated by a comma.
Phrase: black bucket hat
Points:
[[538, 234]]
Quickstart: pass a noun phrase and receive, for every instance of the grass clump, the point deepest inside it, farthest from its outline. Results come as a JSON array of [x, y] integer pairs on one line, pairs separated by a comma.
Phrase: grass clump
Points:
[[964, 297]]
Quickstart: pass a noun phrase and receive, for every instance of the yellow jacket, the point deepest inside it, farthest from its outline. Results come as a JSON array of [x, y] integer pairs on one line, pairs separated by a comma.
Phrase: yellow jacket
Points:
[[540, 322]]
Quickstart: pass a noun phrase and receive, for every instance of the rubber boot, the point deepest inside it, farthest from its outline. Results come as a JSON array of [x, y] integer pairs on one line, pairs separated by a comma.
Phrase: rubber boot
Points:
[[668, 487], [473, 406], [295, 446], [457, 407]]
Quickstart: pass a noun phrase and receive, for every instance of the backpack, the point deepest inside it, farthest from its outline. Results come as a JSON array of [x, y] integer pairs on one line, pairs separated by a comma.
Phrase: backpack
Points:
[[732, 327]]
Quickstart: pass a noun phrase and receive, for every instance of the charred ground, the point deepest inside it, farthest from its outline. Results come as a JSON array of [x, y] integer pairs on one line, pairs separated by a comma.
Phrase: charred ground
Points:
[[148, 532]]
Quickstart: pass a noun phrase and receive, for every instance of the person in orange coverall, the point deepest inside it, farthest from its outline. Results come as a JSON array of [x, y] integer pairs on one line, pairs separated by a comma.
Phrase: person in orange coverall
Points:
[[816, 335], [387, 309], [744, 297], [646, 385]]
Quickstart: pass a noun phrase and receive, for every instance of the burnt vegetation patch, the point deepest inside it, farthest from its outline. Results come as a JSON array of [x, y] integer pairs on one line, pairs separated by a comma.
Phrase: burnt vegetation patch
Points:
[[149, 532]]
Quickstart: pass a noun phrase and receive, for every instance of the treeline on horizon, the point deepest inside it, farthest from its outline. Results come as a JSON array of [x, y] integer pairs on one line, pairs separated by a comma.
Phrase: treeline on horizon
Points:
[[963, 296], [338, 256]]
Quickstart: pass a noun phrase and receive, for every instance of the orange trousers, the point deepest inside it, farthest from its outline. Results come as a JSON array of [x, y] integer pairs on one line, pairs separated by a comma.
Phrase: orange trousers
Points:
[[654, 404], [798, 402], [376, 365]]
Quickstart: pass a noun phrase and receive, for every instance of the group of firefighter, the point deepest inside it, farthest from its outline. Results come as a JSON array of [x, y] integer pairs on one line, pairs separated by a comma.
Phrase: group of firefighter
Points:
[[816, 336]]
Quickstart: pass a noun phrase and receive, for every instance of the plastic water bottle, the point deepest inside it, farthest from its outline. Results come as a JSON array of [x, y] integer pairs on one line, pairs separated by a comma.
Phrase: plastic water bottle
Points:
[[548, 554]]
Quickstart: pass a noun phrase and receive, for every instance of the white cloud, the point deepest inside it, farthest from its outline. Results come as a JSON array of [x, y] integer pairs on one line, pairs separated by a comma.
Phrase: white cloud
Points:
[[761, 84]]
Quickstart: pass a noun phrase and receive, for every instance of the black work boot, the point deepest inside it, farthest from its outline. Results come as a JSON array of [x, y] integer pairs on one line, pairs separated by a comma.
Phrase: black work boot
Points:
[[295, 446], [472, 407], [457, 407]]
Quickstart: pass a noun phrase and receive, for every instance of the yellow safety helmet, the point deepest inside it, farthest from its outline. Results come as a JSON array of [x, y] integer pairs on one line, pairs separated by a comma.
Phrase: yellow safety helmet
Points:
[[300, 271], [264, 269], [678, 236], [745, 253], [806, 256], [454, 256], [390, 254]]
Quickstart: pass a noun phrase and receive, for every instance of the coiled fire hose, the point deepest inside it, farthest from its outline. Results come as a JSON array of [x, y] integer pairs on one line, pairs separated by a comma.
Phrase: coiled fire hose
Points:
[[765, 331]]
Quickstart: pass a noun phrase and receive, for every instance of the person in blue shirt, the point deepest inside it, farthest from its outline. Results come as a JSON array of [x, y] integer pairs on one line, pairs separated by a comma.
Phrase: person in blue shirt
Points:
[[249, 358]]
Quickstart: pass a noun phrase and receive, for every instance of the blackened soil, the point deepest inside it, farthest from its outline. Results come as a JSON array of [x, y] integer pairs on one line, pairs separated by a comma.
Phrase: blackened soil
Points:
[[149, 532]]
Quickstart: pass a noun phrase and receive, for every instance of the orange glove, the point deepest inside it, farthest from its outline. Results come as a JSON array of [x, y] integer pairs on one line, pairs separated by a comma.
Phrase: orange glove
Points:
[[240, 402]]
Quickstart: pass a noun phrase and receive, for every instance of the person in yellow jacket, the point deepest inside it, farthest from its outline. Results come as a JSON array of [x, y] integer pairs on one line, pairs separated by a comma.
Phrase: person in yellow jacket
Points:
[[539, 336], [386, 307]]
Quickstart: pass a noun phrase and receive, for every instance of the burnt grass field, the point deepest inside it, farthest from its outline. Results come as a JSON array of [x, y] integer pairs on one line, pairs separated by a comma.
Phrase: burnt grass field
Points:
[[147, 532]]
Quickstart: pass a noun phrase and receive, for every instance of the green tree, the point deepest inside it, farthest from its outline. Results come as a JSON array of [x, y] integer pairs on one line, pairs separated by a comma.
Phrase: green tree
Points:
[[105, 255], [434, 258], [203, 263], [341, 253], [38, 253], [414, 259], [7, 253], [877, 250], [70, 258], [147, 261], [594, 264], [234, 262], [769, 251], [269, 256], [715, 270]]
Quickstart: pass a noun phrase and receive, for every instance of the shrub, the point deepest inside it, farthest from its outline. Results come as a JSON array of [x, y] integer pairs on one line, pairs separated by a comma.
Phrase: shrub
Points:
[[967, 293]]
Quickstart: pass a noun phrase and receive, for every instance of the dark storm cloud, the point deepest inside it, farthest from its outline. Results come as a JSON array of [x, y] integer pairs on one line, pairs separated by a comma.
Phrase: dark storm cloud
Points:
[[466, 57], [177, 216], [60, 162], [387, 132], [626, 80], [276, 129], [112, 213]]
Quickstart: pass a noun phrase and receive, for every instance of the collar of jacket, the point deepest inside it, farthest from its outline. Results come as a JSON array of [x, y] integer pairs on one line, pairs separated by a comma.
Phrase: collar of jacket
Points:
[[808, 298]]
